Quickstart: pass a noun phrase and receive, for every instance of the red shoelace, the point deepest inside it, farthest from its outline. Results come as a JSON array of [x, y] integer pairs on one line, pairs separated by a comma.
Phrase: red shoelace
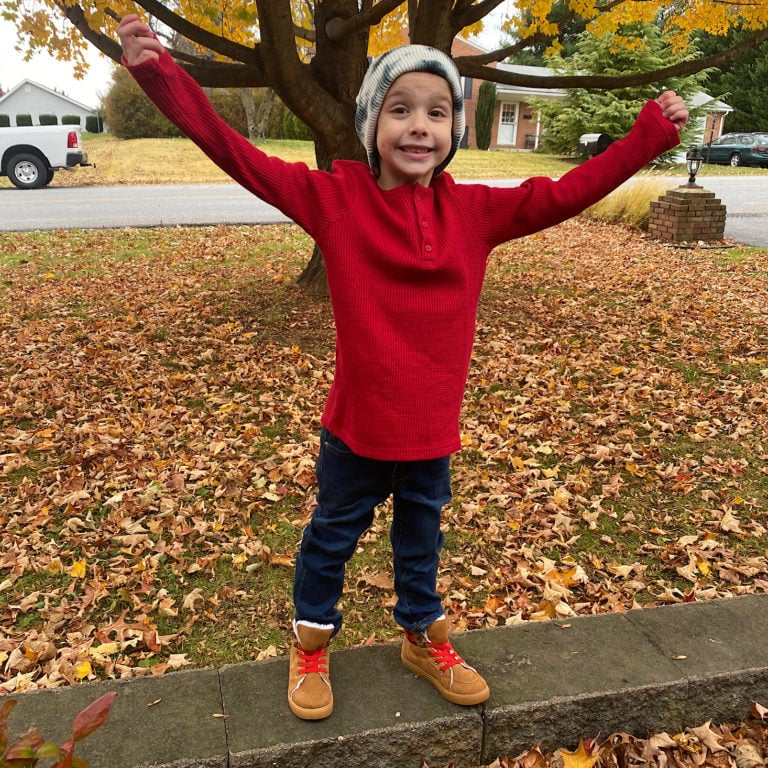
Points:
[[444, 654], [312, 661]]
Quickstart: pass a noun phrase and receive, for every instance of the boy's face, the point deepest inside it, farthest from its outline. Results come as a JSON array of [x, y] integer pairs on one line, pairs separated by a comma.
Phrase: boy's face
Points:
[[413, 134]]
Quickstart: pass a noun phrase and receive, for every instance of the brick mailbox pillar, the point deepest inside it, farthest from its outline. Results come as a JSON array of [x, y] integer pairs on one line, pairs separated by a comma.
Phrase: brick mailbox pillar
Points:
[[687, 214]]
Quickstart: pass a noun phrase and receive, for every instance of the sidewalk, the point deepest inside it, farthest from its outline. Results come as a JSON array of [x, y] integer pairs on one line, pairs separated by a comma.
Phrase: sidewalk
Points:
[[658, 669]]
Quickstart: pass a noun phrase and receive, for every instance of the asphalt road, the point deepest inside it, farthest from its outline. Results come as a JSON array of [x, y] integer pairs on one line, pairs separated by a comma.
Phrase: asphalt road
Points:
[[745, 199]]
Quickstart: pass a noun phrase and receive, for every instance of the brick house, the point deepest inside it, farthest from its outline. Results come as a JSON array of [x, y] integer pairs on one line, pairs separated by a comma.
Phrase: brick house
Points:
[[516, 124]]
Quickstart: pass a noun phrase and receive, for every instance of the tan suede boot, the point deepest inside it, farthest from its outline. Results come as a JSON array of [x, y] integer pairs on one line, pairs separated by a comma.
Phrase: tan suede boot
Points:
[[310, 696], [430, 655]]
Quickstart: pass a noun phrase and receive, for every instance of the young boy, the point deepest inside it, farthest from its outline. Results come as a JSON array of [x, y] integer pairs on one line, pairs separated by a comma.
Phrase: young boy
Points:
[[405, 250]]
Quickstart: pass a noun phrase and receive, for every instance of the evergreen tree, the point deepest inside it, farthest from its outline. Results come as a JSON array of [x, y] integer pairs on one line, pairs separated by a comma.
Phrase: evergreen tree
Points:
[[636, 48], [742, 83], [486, 103]]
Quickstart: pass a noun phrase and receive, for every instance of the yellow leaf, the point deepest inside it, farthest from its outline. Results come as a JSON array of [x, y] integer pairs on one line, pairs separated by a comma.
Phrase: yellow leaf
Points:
[[105, 649], [78, 569], [584, 757], [83, 670], [518, 463]]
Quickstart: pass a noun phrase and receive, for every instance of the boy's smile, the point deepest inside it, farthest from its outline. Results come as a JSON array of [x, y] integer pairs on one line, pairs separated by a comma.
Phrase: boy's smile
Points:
[[413, 134]]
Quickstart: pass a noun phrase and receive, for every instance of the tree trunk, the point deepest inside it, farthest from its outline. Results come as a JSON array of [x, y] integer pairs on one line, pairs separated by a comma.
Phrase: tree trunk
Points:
[[313, 279], [261, 119], [249, 105], [339, 69]]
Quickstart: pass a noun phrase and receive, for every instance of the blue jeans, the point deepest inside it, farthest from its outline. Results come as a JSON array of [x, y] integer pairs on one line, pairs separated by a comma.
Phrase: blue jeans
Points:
[[349, 489]]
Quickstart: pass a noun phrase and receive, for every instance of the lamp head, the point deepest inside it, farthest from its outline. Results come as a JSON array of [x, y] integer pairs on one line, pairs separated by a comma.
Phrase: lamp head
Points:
[[693, 159]]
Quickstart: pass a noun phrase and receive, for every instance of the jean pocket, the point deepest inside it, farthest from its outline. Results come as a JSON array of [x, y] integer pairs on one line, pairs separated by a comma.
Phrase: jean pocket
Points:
[[336, 444]]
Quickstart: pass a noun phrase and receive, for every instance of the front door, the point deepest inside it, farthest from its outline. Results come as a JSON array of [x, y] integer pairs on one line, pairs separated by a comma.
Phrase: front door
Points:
[[508, 125]]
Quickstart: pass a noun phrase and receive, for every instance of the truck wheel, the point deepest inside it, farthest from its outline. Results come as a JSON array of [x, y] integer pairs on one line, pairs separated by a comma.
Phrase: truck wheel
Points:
[[27, 171]]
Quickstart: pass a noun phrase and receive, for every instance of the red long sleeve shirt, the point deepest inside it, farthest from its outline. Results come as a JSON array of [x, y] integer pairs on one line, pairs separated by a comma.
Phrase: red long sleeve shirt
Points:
[[405, 266]]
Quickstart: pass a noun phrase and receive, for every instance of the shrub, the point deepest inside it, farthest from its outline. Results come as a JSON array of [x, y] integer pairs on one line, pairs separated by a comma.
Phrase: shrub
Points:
[[70, 120], [48, 119], [629, 204], [24, 121], [294, 128], [486, 103], [31, 748], [229, 106], [129, 112], [5, 121], [94, 124]]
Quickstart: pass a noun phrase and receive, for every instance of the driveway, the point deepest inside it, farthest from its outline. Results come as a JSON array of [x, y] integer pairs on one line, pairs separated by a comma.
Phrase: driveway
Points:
[[745, 198]]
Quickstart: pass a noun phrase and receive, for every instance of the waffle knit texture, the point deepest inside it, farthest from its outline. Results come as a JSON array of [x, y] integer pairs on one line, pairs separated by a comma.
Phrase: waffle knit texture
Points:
[[405, 266], [382, 72]]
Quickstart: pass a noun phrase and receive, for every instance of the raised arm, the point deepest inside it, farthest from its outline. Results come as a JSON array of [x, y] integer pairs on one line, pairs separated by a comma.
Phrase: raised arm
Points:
[[310, 198], [540, 202]]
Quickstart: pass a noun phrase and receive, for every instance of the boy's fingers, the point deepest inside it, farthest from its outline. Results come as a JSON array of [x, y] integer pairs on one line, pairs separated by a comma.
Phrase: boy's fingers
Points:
[[138, 41], [673, 108]]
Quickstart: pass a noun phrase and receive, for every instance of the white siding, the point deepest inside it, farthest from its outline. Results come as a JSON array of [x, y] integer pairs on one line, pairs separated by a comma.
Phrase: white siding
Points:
[[28, 98]]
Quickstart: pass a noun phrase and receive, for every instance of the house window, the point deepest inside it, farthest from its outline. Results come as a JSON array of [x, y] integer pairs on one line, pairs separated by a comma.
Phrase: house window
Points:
[[508, 124]]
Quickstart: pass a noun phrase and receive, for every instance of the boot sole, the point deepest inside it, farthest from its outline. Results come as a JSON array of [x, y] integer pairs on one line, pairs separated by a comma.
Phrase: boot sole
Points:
[[465, 699]]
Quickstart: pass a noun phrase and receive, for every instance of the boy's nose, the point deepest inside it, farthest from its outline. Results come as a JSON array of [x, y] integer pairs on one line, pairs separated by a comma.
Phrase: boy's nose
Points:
[[418, 122]]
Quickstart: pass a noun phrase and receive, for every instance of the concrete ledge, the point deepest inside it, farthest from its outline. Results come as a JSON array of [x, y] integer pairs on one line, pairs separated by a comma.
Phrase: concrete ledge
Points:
[[551, 684]]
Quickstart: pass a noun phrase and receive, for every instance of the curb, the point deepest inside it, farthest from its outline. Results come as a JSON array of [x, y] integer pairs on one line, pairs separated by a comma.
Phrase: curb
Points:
[[552, 683]]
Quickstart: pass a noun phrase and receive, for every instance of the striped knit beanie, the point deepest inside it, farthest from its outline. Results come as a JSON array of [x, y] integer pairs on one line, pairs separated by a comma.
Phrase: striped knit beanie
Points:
[[383, 71]]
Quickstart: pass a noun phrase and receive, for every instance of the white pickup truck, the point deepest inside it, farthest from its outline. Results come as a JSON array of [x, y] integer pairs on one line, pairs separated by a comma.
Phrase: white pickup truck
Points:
[[29, 156]]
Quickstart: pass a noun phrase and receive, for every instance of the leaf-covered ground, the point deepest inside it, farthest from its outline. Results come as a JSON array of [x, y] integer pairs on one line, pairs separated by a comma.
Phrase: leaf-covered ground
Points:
[[159, 413]]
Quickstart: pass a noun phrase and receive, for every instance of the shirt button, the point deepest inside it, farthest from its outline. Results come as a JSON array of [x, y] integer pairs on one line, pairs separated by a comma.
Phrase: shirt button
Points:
[[425, 223], [428, 248]]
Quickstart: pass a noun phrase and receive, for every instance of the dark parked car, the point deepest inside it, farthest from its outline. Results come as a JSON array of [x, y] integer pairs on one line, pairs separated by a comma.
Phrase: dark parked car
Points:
[[738, 149]]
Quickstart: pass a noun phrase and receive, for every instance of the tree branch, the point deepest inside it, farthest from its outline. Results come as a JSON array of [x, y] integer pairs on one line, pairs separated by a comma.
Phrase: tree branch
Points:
[[337, 29], [305, 34], [104, 43], [502, 53], [281, 59], [469, 67], [469, 14], [217, 43]]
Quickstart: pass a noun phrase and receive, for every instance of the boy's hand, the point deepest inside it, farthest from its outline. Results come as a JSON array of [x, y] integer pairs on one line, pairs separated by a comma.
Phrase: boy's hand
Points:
[[138, 40], [673, 108]]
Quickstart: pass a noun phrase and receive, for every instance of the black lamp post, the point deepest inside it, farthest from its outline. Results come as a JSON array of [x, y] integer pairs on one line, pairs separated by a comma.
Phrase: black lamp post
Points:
[[693, 159]]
